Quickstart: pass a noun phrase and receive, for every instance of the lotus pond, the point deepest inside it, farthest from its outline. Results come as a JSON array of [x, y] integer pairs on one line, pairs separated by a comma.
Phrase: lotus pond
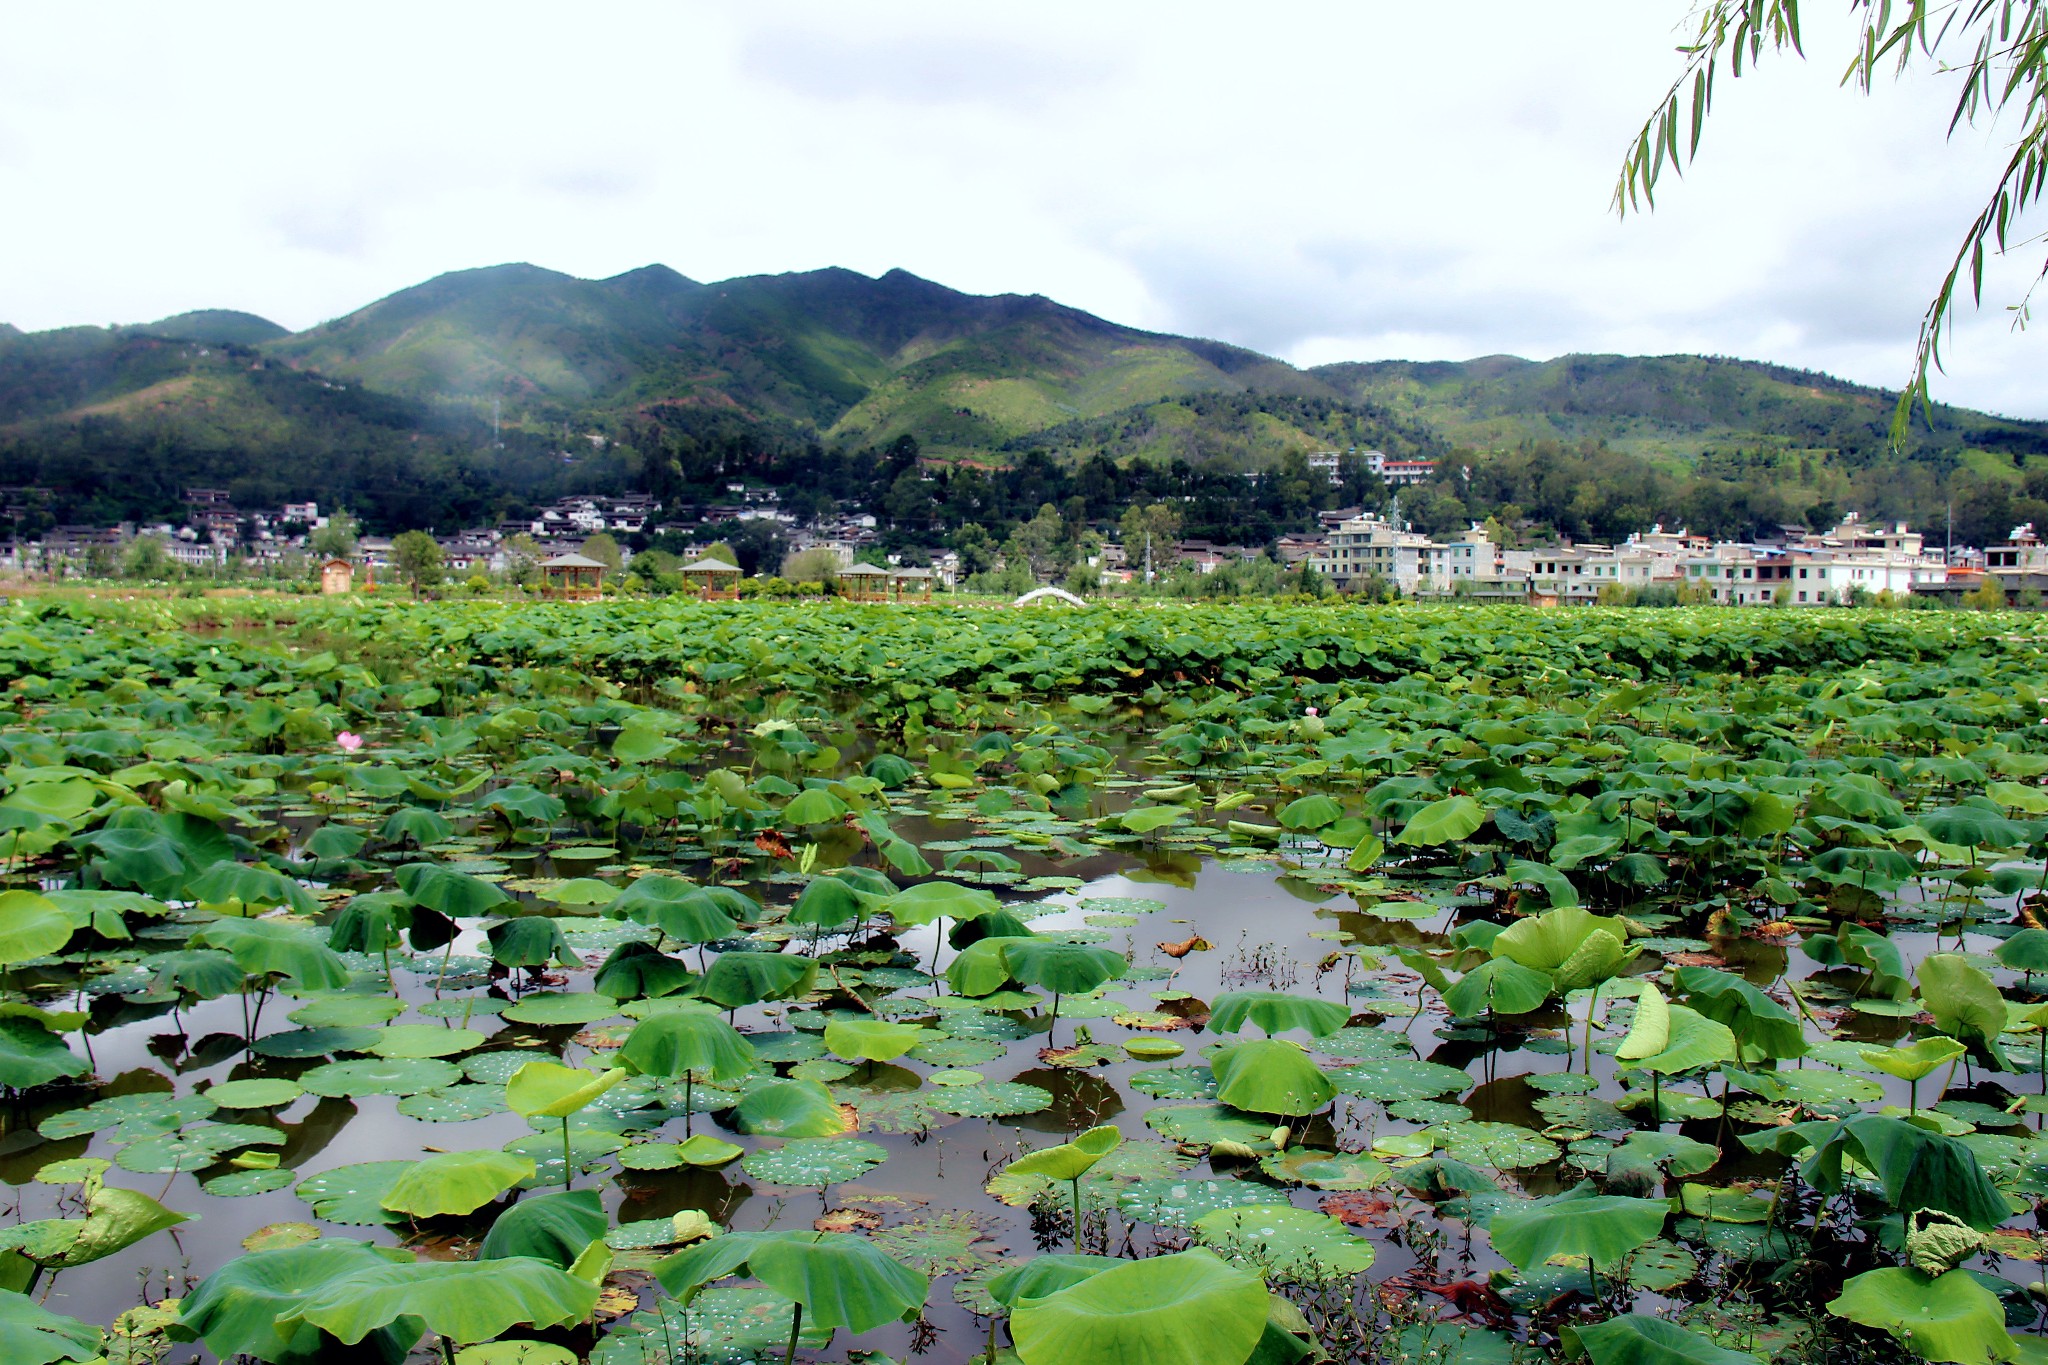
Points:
[[643, 983]]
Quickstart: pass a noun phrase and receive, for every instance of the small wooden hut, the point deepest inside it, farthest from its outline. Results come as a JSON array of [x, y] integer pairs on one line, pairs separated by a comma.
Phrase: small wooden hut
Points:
[[572, 578], [865, 583], [337, 576], [712, 579], [912, 584]]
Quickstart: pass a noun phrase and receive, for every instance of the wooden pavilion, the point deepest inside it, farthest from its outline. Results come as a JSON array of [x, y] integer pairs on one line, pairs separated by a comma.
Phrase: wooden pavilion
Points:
[[712, 579], [572, 578], [865, 583], [912, 583], [337, 576]]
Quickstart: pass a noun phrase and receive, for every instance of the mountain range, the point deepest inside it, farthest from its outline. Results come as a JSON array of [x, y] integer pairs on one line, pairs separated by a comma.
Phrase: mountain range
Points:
[[492, 380]]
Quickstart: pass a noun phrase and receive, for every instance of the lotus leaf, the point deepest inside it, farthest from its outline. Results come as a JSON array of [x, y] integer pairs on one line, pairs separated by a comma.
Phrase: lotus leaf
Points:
[[1270, 1076], [1634, 1339], [1601, 1229], [545, 1089], [455, 1182], [268, 948], [789, 1109], [737, 979], [1062, 968], [1284, 1243], [1190, 1308], [461, 1301], [31, 1334], [30, 1055], [1964, 1001], [1275, 1012], [30, 927], [554, 1228], [241, 1308], [1949, 1318], [815, 1161], [873, 1040], [398, 1076], [454, 894]]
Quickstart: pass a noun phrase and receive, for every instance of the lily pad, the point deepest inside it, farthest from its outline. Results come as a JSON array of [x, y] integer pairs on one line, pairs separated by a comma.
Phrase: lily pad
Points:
[[816, 1161], [379, 1076]]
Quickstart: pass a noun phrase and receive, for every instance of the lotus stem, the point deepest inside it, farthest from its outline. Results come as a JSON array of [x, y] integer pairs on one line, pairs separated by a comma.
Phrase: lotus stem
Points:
[[1591, 1005], [796, 1322], [1076, 1183], [568, 1167], [447, 1351]]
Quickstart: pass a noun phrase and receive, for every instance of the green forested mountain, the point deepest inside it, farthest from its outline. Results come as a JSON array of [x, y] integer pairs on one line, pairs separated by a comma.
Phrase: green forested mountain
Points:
[[481, 390]]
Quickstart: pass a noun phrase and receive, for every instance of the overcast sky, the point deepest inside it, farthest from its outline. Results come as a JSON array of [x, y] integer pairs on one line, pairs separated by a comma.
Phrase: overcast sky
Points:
[[1355, 180]]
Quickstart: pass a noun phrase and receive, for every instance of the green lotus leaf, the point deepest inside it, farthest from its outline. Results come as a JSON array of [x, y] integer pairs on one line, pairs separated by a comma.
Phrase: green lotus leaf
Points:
[[247, 889], [455, 1182], [240, 1309], [790, 1109], [268, 948], [1070, 1160], [380, 1076], [264, 1093], [1581, 1224], [1917, 1169], [1669, 1039], [1950, 1318], [1043, 1275], [1763, 1028], [980, 969], [1443, 822], [814, 806], [929, 901], [1276, 1012], [1062, 968], [188, 1149], [1177, 1201], [1393, 1079], [1964, 1001], [30, 1055], [826, 903], [1270, 1076], [30, 927], [1503, 1146], [425, 1040], [737, 979], [1635, 1339], [1501, 986], [1915, 1062], [414, 823], [461, 1301], [816, 1161], [637, 969], [681, 909], [683, 1042], [873, 1040], [1572, 946], [31, 1334], [555, 1228], [1285, 1244], [554, 1008], [1326, 1170], [839, 1279], [457, 895], [545, 1089], [1190, 1308], [530, 941], [993, 1099], [347, 1011], [1146, 819], [1311, 813]]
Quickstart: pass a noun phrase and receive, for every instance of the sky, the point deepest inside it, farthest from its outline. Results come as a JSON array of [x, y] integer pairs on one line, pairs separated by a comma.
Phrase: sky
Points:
[[1320, 181]]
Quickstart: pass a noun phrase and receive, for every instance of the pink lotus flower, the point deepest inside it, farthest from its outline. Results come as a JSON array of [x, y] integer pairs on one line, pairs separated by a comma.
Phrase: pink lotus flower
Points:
[[349, 743], [1311, 711]]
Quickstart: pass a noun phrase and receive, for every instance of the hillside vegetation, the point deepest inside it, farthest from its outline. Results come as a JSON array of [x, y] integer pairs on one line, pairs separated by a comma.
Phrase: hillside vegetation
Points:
[[484, 389]]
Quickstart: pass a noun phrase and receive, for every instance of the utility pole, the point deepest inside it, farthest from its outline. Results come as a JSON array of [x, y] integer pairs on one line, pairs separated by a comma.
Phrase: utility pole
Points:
[[1949, 557]]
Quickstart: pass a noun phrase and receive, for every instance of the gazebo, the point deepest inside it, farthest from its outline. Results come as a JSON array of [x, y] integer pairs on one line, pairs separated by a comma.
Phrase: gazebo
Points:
[[865, 583], [712, 579], [912, 583], [572, 578]]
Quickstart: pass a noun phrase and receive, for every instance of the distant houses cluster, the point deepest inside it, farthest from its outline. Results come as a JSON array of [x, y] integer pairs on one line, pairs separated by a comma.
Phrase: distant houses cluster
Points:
[[1351, 551]]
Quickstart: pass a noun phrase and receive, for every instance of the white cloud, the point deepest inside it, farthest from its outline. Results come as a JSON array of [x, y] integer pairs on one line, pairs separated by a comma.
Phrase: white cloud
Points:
[[1320, 180]]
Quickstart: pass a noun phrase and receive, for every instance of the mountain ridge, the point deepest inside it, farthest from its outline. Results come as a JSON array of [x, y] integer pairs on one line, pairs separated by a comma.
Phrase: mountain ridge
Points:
[[496, 368]]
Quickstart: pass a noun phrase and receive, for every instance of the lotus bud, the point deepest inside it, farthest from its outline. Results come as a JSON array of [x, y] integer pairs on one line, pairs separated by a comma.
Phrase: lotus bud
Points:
[[1278, 1137], [1232, 1149]]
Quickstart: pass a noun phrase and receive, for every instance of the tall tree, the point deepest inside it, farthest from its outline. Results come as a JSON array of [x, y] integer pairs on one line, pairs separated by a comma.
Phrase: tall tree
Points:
[[417, 557], [2003, 46]]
